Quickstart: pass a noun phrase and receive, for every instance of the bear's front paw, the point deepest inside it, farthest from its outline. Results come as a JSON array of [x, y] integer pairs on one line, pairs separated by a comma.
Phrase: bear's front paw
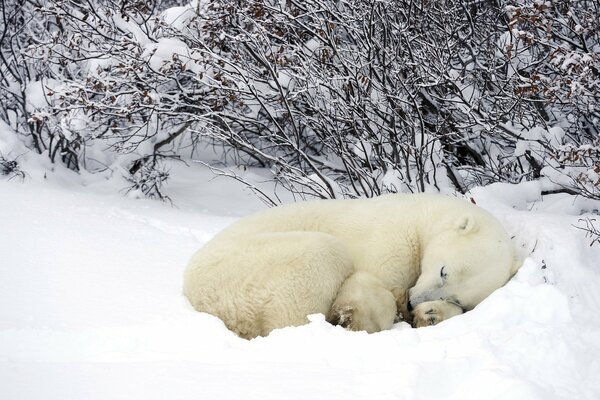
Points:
[[425, 316], [434, 312]]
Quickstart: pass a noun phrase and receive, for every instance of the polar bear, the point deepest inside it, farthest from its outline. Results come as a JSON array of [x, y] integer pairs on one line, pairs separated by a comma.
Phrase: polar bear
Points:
[[361, 262]]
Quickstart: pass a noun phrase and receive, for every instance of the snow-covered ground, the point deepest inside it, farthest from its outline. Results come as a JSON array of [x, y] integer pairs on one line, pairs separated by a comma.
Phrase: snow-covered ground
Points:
[[91, 308]]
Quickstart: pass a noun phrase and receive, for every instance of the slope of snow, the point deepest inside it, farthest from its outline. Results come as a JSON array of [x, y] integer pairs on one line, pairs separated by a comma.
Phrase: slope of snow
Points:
[[91, 308]]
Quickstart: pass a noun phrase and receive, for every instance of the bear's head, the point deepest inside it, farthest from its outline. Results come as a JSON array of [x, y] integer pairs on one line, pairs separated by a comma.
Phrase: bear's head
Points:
[[464, 262]]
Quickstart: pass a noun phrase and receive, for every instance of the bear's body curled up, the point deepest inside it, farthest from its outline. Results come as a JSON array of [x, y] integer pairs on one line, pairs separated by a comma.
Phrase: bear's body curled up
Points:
[[360, 262]]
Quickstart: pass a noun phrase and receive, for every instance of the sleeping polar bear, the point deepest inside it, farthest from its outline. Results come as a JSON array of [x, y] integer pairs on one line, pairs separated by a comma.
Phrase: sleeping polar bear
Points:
[[360, 262]]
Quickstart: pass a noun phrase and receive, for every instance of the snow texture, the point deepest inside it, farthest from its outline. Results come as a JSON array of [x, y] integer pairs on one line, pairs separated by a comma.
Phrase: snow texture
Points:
[[91, 308]]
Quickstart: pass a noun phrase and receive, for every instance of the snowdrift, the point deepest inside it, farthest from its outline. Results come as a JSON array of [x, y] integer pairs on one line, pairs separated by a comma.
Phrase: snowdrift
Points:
[[91, 308]]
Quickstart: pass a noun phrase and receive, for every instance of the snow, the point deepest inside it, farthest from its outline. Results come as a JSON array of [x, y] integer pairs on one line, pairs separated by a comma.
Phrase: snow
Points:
[[91, 307], [179, 17], [167, 50]]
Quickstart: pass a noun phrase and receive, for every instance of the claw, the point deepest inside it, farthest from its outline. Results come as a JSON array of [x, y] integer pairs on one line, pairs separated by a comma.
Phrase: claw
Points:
[[341, 316]]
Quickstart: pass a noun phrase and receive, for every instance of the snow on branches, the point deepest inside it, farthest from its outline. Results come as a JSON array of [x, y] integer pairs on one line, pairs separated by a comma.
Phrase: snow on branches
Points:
[[336, 98]]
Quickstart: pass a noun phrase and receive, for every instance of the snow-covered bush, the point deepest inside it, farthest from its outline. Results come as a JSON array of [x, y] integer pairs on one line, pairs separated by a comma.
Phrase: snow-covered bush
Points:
[[147, 177], [10, 168], [363, 97], [22, 78], [556, 47], [336, 98]]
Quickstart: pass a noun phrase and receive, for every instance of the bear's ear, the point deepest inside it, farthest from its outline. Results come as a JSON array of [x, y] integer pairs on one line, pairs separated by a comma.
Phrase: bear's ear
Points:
[[466, 224]]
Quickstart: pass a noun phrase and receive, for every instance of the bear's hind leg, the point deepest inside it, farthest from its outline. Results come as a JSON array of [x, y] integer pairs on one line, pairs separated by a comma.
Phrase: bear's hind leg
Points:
[[294, 274]]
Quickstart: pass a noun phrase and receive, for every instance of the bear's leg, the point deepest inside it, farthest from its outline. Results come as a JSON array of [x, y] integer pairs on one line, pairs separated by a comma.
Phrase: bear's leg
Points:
[[364, 304], [260, 282], [434, 312], [304, 279]]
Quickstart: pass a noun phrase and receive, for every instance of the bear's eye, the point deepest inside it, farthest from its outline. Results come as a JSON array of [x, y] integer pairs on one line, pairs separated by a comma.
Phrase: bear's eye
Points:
[[443, 274]]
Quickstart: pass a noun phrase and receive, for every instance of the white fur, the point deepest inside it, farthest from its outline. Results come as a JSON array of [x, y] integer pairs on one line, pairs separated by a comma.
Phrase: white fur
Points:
[[357, 261]]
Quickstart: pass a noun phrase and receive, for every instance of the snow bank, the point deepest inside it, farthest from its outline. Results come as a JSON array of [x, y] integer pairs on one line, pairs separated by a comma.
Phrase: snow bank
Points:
[[92, 309]]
